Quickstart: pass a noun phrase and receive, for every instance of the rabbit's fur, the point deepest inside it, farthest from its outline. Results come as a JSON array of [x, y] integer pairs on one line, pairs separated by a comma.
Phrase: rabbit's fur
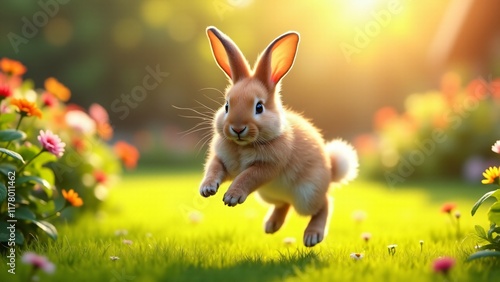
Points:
[[267, 148]]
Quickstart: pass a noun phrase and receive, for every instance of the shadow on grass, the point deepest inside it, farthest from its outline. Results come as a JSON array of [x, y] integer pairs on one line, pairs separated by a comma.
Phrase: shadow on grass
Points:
[[251, 268]]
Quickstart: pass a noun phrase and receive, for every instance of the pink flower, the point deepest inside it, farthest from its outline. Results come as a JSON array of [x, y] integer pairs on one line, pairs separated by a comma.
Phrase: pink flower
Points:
[[98, 113], [80, 121], [38, 262], [496, 147], [51, 143], [443, 264], [49, 100]]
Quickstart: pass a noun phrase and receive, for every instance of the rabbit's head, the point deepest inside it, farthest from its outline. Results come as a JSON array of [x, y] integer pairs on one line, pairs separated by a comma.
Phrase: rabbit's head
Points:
[[252, 111]]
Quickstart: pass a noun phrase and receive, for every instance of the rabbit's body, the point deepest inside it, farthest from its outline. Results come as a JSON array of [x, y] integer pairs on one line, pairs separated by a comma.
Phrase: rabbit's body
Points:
[[263, 147], [302, 176]]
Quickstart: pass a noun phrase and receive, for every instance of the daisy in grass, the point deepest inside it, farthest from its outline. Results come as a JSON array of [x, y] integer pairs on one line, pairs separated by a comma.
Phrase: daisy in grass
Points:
[[357, 256], [72, 197], [490, 175]]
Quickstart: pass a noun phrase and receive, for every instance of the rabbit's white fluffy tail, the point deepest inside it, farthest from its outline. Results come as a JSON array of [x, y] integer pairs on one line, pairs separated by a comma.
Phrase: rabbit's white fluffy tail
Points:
[[344, 161]]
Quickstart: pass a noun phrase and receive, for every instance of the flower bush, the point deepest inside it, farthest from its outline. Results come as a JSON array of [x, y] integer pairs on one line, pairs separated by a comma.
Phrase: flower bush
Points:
[[439, 134], [491, 238], [54, 157]]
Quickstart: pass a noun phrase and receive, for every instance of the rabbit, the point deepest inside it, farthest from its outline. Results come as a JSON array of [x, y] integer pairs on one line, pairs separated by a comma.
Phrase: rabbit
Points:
[[262, 146]]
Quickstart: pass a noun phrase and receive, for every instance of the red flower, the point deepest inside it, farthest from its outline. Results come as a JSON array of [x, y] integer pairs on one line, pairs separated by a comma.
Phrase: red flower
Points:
[[100, 176], [5, 91], [448, 207], [49, 100]]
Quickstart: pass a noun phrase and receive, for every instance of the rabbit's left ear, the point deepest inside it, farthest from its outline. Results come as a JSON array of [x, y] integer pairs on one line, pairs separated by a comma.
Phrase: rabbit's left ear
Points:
[[277, 59]]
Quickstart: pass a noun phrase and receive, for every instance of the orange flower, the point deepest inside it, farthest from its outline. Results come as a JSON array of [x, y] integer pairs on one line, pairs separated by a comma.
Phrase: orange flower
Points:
[[12, 67], [448, 207], [72, 197], [26, 107], [127, 153], [53, 86], [104, 130]]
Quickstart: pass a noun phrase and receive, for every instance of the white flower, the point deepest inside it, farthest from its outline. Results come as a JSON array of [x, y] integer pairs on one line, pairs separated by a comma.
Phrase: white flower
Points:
[[127, 242], [359, 215], [366, 236], [289, 240], [357, 256], [120, 232], [113, 258], [195, 216]]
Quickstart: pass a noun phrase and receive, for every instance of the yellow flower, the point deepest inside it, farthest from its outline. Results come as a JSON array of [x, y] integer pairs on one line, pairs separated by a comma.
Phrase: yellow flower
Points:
[[53, 86], [26, 107], [490, 175], [72, 197]]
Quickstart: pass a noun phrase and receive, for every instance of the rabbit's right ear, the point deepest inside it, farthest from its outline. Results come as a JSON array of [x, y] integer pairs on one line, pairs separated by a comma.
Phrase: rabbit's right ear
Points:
[[227, 55]]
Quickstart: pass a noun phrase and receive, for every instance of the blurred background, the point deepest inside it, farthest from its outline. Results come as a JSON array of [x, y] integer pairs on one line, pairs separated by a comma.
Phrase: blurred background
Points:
[[378, 73]]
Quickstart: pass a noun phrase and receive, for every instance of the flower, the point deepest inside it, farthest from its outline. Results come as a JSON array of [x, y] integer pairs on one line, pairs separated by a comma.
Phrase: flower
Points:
[[359, 215], [127, 242], [26, 107], [490, 175], [104, 130], [127, 153], [392, 249], [366, 236], [457, 214], [443, 264], [448, 207], [98, 113], [121, 232], [100, 176], [80, 121], [12, 67], [72, 197], [5, 91], [289, 240], [38, 262], [51, 143], [113, 258], [48, 99], [53, 86], [357, 256], [496, 147], [195, 216]]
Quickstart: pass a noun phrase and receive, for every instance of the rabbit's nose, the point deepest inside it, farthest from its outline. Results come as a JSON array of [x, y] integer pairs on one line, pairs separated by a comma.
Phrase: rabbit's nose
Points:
[[238, 130]]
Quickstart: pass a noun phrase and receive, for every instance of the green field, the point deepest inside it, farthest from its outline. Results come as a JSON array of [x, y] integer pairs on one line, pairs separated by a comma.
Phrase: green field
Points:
[[161, 212]]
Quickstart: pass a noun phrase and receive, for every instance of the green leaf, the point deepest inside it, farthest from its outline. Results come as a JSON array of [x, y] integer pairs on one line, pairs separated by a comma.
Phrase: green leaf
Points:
[[483, 254], [480, 232], [6, 169], [480, 201], [31, 178], [3, 192], [47, 228], [24, 212], [494, 213], [19, 237], [12, 154], [11, 135]]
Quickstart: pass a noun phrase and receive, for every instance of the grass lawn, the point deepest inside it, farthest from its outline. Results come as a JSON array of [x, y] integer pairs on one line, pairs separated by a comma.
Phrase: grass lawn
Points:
[[177, 235]]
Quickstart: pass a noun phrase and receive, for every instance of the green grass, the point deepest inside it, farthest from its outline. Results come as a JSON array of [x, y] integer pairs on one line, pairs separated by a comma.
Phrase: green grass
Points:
[[229, 244]]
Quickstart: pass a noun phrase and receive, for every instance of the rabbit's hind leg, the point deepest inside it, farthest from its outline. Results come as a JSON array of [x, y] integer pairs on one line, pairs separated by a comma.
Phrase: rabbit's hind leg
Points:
[[276, 217]]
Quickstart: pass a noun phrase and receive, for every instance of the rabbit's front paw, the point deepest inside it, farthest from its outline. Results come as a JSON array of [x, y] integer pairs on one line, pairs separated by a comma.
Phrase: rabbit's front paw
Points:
[[234, 197], [209, 188]]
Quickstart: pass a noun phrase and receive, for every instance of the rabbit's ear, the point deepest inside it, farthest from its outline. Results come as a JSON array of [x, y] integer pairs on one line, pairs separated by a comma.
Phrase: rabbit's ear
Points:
[[228, 56], [277, 59]]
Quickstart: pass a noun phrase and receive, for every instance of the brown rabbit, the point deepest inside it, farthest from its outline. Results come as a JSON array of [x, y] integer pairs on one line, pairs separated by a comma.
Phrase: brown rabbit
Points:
[[261, 145]]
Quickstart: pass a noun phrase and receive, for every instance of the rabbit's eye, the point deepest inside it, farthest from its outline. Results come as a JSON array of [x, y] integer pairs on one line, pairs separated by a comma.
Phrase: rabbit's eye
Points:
[[227, 107], [259, 108]]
